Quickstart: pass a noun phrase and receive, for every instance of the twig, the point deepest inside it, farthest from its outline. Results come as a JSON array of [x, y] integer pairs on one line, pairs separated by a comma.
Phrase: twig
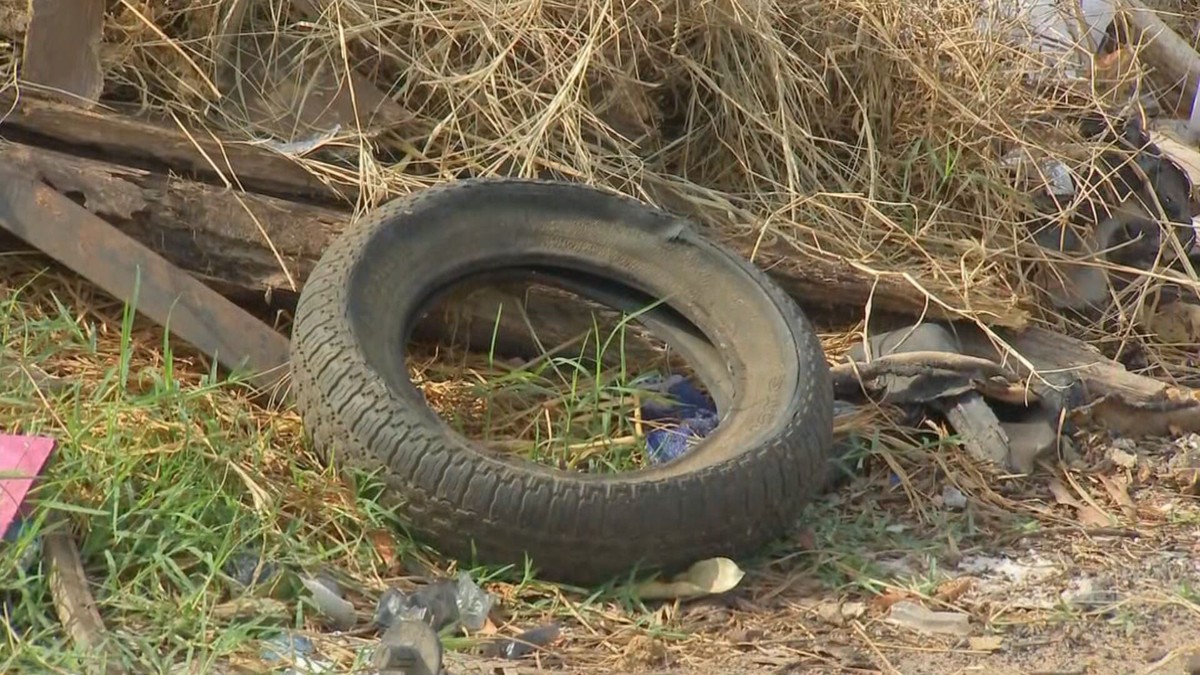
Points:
[[73, 600]]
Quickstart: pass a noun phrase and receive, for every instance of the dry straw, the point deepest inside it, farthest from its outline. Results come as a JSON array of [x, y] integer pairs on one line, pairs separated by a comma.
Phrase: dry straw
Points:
[[870, 131]]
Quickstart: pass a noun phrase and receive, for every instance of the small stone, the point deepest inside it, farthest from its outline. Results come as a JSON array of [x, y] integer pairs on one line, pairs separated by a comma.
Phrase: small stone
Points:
[[1185, 470], [1123, 459], [1192, 667], [831, 613], [854, 610], [953, 498], [986, 643]]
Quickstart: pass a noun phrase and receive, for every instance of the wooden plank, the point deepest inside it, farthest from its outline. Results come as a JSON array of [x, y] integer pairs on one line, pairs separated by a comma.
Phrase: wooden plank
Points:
[[243, 239], [62, 49], [67, 232], [133, 142]]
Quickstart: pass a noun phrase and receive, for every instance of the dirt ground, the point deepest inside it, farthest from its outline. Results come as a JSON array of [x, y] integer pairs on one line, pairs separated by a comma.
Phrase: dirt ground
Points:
[[1063, 599]]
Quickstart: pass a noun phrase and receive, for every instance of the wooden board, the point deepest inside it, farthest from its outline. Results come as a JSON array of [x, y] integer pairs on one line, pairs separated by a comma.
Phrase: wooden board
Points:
[[212, 232], [127, 269], [62, 49], [137, 143]]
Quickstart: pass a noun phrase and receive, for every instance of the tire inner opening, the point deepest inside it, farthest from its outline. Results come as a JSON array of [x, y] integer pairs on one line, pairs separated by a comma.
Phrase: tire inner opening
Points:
[[566, 369]]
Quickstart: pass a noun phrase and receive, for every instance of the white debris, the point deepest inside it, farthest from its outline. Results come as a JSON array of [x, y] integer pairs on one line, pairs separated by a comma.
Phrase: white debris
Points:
[[953, 498], [1063, 34]]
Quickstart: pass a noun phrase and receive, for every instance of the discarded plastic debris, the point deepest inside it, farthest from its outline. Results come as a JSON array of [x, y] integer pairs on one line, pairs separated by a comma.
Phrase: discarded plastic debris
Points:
[[303, 146], [409, 648], [250, 569], [1056, 175], [707, 577], [689, 415], [916, 617], [1014, 571], [297, 650], [288, 646], [1048, 29], [1086, 594], [665, 445], [329, 602], [473, 603], [986, 643], [22, 459], [436, 604], [525, 643]]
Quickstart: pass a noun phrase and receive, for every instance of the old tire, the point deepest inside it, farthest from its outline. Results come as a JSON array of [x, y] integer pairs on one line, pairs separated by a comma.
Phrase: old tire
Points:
[[744, 486]]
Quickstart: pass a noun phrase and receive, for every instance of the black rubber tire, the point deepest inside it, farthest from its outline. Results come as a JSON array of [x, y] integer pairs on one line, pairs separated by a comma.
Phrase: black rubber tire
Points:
[[742, 487]]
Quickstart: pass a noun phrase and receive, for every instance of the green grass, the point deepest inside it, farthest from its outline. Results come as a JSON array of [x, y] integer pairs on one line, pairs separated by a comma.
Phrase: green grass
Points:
[[575, 407], [163, 473]]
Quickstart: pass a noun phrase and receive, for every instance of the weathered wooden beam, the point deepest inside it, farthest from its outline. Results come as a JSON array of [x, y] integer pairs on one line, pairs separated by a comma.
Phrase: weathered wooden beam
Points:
[[62, 49], [241, 238], [222, 235], [132, 142], [48, 220]]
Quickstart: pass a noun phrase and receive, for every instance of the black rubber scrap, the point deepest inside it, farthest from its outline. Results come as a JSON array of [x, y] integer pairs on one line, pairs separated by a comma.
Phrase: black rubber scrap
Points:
[[744, 486]]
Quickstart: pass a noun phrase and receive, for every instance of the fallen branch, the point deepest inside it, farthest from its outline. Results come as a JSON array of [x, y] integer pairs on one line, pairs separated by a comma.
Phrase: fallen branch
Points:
[[73, 599], [1094, 389]]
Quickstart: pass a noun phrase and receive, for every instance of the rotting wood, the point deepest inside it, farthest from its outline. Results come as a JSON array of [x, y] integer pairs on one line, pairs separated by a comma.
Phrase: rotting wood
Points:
[[49, 221], [1163, 49], [237, 237], [62, 49], [1108, 396], [199, 154]]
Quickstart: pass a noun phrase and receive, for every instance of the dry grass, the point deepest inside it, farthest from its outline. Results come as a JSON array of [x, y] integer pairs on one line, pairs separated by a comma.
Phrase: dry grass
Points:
[[864, 131]]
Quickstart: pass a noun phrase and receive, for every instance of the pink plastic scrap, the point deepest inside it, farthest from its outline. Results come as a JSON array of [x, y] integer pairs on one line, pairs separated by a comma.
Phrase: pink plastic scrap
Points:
[[21, 461]]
